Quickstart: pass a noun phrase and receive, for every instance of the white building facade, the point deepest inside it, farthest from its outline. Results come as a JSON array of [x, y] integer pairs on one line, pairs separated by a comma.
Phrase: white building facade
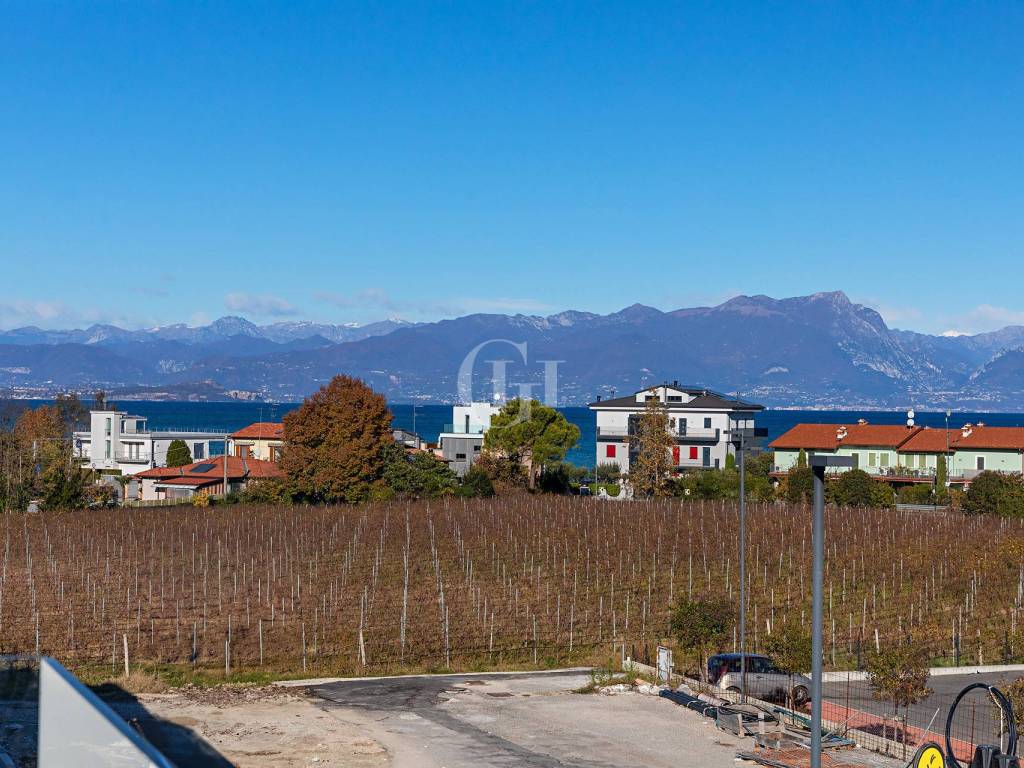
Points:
[[701, 422], [461, 441], [122, 442]]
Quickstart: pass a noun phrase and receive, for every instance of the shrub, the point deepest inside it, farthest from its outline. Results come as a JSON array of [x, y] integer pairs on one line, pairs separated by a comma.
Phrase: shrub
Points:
[[916, 494], [561, 477], [702, 626], [899, 674], [476, 483], [995, 493], [178, 454], [419, 475], [799, 485]]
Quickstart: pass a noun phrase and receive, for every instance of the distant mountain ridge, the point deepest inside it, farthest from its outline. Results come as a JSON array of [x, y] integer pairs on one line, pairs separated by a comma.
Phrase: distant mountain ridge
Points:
[[808, 351], [219, 330]]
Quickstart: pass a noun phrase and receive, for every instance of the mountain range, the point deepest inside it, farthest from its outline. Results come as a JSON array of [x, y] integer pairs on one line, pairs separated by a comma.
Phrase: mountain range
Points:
[[810, 351]]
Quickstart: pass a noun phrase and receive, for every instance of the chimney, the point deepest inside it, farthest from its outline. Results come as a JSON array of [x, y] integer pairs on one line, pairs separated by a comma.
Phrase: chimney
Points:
[[966, 430], [599, 398], [841, 433], [862, 422]]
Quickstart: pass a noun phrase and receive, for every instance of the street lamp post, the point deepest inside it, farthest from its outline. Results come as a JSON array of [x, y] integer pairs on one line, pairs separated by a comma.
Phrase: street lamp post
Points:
[[738, 437], [949, 473], [818, 466]]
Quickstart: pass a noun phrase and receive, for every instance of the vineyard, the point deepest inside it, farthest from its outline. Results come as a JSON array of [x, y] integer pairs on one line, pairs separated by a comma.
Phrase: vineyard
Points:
[[529, 581]]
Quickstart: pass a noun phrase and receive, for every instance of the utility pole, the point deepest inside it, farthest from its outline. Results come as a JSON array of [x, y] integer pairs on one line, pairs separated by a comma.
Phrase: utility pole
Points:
[[743, 570], [818, 467], [738, 436]]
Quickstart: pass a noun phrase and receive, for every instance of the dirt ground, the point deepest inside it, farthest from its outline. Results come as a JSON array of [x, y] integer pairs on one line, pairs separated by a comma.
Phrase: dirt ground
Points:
[[456, 721], [211, 728]]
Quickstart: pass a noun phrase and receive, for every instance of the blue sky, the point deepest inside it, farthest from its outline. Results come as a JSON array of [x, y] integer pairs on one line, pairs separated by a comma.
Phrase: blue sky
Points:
[[167, 162]]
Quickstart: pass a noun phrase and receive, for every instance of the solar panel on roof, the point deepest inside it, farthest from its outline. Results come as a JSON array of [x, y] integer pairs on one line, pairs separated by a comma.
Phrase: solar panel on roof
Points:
[[201, 468]]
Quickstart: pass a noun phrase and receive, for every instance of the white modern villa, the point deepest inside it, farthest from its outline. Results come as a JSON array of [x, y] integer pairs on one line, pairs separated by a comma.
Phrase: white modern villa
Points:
[[119, 441], [702, 422], [461, 441]]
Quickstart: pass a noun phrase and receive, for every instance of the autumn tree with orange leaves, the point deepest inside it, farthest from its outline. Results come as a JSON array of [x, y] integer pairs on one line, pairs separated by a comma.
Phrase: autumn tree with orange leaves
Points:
[[336, 443]]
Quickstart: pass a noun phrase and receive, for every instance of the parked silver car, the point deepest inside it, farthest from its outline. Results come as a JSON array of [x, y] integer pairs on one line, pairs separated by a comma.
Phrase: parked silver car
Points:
[[764, 679]]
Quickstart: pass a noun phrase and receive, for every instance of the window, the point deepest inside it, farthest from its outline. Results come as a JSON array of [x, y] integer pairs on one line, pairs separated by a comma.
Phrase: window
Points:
[[460, 457], [872, 458], [884, 459], [707, 457], [675, 398], [682, 426], [922, 461], [107, 430], [107, 454], [198, 451], [609, 451], [476, 449], [693, 453], [707, 423], [981, 463], [758, 665], [275, 453]]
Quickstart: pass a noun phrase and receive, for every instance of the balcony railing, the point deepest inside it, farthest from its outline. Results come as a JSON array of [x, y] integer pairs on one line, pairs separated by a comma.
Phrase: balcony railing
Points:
[[689, 435], [119, 458], [472, 429], [708, 435]]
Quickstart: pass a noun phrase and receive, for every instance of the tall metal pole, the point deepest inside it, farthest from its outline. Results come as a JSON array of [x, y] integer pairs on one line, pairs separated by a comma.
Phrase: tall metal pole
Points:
[[743, 575], [818, 579]]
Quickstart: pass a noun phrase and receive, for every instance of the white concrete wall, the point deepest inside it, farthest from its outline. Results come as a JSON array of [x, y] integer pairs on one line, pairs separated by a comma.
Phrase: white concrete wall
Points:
[[479, 415]]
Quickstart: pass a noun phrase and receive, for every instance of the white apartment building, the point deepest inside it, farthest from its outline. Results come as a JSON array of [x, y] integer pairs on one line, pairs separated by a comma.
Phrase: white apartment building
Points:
[[120, 441], [461, 441], [701, 421]]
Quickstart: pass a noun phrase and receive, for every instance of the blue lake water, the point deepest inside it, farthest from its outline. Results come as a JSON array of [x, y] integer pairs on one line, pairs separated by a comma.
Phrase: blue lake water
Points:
[[430, 419]]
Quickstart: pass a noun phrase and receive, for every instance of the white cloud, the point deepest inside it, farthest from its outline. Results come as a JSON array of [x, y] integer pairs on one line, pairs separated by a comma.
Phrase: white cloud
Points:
[[990, 317], [263, 305], [16, 313], [376, 298]]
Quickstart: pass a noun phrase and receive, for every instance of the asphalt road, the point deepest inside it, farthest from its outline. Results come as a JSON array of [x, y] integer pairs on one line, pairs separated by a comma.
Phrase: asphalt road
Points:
[[533, 720], [976, 720]]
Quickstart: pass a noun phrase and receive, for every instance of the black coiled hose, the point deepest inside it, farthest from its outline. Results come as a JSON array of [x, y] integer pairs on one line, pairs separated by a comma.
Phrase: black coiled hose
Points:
[[1004, 703]]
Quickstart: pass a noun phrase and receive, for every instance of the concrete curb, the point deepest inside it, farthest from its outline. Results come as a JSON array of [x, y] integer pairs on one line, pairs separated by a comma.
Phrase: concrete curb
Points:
[[853, 674]]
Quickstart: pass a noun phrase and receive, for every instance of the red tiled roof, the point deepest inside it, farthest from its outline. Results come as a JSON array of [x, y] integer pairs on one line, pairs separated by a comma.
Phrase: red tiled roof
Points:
[[928, 440], [261, 430], [213, 470], [820, 437], [996, 438], [825, 437], [881, 435]]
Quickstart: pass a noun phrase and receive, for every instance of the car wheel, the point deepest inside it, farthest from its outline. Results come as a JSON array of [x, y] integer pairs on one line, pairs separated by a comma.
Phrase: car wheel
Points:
[[800, 695]]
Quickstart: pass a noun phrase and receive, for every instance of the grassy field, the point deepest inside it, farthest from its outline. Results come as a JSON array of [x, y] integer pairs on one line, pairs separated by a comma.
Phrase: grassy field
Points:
[[253, 593]]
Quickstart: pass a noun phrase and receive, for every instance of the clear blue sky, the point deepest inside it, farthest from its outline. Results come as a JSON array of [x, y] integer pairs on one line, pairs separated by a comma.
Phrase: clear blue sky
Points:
[[167, 162]]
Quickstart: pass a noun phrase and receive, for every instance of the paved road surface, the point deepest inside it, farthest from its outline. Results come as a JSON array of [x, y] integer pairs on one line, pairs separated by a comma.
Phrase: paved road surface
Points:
[[978, 723], [533, 720]]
